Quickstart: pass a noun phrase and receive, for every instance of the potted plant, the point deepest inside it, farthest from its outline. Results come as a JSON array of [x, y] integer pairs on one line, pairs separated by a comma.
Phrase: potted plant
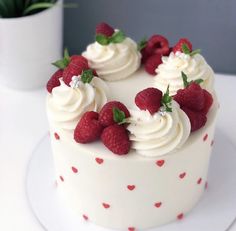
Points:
[[30, 39]]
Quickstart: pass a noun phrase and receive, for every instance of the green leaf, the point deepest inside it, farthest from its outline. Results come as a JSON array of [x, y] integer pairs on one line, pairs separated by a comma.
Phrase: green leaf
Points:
[[102, 39], [117, 37], [118, 115], [61, 64], [185, 49], [198, 81], [197, 51], [37, 6], [167, 100], [142, 44], [185, 79], [87, 76], [66, 55]]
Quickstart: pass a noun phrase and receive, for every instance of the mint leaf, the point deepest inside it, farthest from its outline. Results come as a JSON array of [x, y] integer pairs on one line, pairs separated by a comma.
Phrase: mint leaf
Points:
[[87, 76], [167, 100], [185, 79], [102, 39], [66, 55], [117, 37], [61, 64], [118, 115], [185, 49], [197, 51], [142, 44], [198, 81]]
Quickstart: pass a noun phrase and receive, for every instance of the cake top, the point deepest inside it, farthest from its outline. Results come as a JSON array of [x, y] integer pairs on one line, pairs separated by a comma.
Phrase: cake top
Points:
[[105, 95]]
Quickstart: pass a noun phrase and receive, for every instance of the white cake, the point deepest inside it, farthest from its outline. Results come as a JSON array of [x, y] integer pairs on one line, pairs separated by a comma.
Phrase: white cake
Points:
[[144, 188]]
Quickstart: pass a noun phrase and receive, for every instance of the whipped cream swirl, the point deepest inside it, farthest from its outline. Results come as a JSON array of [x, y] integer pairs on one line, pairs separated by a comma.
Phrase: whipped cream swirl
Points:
[[195, 67], [66, 105], [114, 61], [160, 133]]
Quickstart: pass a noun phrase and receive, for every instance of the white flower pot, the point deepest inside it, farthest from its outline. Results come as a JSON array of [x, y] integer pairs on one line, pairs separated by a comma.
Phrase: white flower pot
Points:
[[28, 46]]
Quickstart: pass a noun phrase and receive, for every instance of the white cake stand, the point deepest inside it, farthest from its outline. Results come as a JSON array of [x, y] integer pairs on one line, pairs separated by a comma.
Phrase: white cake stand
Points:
[[215, 212]]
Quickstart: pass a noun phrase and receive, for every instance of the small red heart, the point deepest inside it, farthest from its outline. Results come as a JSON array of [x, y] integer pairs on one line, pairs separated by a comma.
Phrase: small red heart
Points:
[[57, 137], [105, 205], [180, 216], [205, 137], [182, 175], [131, 187], [99, 160], [199, 181], [74, 169], [85, 217], [61, 178], [131, 229], [158, 204], [160, 163]]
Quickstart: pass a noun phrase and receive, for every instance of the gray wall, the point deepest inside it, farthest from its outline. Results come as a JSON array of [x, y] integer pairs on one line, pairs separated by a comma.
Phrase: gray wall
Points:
[[209, 24]]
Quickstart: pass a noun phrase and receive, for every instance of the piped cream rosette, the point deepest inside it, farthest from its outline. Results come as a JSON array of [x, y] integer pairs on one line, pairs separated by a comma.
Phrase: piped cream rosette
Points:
[[160, 133]]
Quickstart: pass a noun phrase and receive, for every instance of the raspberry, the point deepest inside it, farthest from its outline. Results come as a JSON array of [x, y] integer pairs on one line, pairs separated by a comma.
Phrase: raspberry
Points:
[[146, 52], [208, 101], [76, 66], [152, 63], [158, 44], [104, 29], [197, 119], [178, 46], [54, 80], [149, 99], [116, 139], [88, 129], [191, 97], [106, 114]]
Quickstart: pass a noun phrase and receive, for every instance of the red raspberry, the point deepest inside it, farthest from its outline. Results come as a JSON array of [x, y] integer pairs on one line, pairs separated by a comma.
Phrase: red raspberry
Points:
[[208, 101], [197, 119], [76, 66], [178, 46], [106, 113], [104, 29], [88, 129], [116, 139], [152, 63], [149, 99], [146, 52], [54, 80], [191, 97], [158, 44]]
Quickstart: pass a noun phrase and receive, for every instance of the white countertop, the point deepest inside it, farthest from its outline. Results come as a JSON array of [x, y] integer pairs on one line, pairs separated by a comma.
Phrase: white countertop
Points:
[[23, 123]]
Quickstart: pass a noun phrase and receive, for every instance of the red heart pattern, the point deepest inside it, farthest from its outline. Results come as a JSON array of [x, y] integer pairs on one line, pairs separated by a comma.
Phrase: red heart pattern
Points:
[[57, 137], [106, 206], [199, 180], [205, 137], [158, 204], [131, 229], [74, 169], [180, 216], [131, 187], [85, 217], [61, 178], [182, 175], [99, 160], [160, 163]]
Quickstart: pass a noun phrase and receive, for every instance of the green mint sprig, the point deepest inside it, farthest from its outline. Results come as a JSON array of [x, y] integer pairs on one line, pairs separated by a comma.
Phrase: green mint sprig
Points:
[[87, 76], [117, 37], [142, 44], [186, 82], [187, 50], [166, 100], [118, 116], [63, 63]]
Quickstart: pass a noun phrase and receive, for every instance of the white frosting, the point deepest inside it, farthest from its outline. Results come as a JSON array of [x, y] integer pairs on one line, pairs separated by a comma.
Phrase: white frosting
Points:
[[114, 61], [66, 105], [195, 67], [156, 135]]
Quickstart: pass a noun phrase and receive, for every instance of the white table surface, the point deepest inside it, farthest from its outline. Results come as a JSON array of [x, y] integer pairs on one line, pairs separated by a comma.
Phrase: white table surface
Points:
[[23, 123]]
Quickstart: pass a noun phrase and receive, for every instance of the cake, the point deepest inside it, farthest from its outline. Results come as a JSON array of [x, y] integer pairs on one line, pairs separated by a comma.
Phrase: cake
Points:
[[132, 129]]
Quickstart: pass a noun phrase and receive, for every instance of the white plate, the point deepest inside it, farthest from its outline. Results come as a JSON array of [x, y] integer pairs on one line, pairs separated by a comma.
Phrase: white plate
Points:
[[215, 212]]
